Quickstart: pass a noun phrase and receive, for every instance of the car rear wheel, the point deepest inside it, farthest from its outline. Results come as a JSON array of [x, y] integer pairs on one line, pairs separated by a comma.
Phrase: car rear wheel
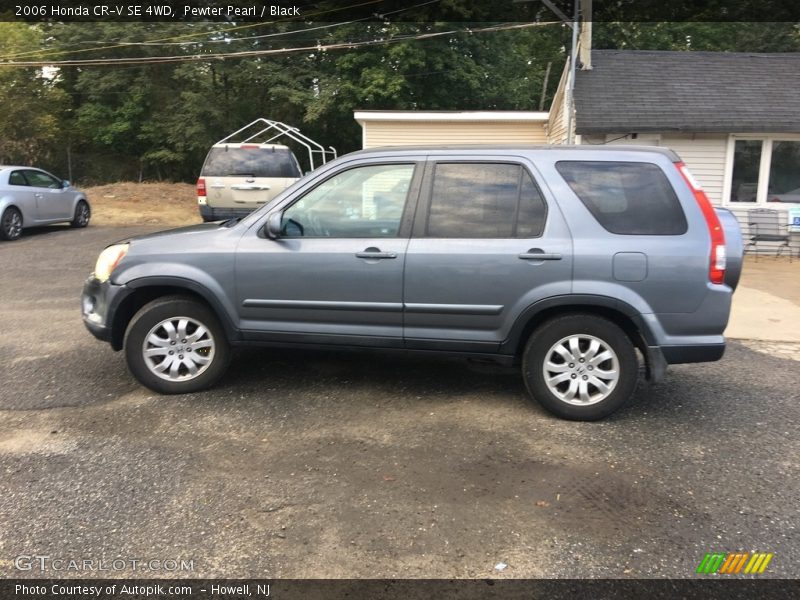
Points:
[[10, 224], [82, 215], [176, 345], [580, 367]]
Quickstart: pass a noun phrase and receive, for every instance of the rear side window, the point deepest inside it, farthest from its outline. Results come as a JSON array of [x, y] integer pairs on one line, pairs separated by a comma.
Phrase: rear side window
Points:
[[484, 200], [627, 198], [17, 178], [251, 162]]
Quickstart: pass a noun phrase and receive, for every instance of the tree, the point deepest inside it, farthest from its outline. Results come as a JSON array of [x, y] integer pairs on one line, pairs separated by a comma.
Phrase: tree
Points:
[[32, 107]]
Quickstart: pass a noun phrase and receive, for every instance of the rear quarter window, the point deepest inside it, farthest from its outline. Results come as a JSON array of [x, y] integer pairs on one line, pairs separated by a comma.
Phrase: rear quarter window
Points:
[[17, 178], [252, 162], [626, 198]]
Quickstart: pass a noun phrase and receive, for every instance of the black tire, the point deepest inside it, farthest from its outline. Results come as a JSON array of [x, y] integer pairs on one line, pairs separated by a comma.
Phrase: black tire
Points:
[[82, 215], [10, 224], [597, 403], [176, 307]]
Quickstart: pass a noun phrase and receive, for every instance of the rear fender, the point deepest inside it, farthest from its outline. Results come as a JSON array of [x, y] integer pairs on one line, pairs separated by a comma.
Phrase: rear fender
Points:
[[577, 302]]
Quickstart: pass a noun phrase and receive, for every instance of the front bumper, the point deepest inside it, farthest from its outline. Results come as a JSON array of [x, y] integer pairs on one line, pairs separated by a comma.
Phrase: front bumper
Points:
[[99, 302]]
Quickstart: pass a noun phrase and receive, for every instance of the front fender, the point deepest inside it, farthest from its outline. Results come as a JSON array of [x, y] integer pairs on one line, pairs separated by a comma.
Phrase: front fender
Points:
[[186, 277], [78, 198]]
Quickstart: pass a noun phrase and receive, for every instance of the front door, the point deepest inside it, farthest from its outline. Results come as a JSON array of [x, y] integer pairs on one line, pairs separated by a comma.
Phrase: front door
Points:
[[335, 274], [52, 200]]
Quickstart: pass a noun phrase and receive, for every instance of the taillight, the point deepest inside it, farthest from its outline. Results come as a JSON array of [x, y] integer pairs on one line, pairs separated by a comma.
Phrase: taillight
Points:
[[201, 186], [716, 267]]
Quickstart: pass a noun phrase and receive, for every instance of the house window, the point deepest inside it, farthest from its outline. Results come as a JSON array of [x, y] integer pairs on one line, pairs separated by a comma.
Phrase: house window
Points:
[[784, 172], [746, 163], [765, 170]]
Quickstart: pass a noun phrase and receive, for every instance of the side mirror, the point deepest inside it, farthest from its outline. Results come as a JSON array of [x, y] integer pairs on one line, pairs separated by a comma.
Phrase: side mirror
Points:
[[273, 227], [65, 184]]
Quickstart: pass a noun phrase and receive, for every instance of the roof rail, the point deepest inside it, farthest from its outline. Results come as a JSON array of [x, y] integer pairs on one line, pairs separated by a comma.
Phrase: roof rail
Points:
[[283, 130]]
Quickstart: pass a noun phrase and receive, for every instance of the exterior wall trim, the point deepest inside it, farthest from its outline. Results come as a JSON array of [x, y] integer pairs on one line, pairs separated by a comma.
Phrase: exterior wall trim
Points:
[[362, 116]]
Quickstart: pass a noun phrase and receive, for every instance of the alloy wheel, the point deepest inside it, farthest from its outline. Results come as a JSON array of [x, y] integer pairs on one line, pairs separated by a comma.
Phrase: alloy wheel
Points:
[[178, 349], [581, 369]]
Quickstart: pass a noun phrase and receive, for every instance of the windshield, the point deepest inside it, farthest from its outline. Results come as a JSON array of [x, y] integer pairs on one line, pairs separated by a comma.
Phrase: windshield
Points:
[[251, 162]]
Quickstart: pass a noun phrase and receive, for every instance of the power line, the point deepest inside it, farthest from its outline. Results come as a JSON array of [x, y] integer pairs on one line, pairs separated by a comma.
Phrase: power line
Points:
[[177, 37], [280, 33], [255, 53]]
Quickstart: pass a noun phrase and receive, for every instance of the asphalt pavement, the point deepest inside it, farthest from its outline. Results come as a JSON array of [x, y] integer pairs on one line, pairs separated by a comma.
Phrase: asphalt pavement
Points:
[[309, 464]]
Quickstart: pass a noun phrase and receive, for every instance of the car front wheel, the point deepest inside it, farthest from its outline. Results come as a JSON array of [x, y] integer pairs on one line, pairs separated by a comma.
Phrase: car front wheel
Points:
[[82, 215], [580, 367], [176, 345]]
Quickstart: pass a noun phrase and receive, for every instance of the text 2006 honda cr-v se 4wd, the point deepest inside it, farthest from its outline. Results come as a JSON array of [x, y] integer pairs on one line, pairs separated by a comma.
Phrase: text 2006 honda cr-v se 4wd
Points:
[[566, 260]]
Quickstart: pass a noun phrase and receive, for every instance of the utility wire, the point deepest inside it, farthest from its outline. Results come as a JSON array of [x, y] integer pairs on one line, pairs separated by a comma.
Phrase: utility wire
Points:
[[280, 33], [42, 53], [254, 53]]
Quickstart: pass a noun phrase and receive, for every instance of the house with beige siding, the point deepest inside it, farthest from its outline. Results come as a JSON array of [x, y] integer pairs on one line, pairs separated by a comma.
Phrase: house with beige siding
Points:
[[414, 128]]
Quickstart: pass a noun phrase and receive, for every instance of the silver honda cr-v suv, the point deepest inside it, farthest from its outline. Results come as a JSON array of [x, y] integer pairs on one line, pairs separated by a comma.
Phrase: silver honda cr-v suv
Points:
[[575, 262]]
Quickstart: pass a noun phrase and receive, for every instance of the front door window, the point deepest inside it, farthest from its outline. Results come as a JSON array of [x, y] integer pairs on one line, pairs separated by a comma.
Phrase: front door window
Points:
[[365, 202]]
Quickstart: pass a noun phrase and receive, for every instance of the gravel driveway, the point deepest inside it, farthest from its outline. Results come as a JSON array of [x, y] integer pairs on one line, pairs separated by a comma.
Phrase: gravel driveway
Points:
[[304, 464]]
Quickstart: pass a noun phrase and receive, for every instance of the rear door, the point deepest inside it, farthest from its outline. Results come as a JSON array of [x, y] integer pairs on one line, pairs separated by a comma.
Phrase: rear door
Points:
[[335, 275], [487, 243]]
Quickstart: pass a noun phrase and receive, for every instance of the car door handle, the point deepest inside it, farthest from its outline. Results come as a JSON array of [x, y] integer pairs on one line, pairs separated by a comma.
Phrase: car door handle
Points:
[[375, 253], [539, 254]]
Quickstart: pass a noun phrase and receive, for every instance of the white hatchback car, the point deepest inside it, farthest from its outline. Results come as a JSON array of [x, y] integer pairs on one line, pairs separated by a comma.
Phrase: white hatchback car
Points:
[[30, 197]]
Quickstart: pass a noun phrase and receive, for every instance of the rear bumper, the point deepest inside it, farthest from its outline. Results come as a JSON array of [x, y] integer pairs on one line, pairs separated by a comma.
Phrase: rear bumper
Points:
[[210, 213], [676, 355]]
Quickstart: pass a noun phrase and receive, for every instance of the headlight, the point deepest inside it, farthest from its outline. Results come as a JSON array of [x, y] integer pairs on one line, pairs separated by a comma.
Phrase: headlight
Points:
[[108, 259]]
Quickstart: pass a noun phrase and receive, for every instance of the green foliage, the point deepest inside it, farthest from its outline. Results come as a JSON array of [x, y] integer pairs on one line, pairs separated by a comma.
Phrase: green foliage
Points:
[[32, 107], [158, 120]]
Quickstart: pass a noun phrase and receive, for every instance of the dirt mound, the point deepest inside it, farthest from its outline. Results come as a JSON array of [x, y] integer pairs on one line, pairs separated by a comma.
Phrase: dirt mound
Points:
[[128, 203]]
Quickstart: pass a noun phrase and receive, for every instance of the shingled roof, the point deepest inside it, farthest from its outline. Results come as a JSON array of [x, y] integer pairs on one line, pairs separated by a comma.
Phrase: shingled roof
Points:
[[631, 91]]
